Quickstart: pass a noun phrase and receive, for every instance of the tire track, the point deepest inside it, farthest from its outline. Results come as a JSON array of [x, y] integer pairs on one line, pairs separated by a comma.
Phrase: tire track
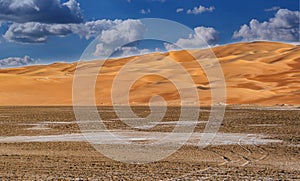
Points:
[[247, 158], [264, 152], [245, 161], [223, 157], [228, 160]]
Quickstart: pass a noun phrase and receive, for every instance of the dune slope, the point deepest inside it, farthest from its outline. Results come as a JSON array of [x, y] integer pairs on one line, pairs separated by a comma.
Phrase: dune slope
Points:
[[265, 73]]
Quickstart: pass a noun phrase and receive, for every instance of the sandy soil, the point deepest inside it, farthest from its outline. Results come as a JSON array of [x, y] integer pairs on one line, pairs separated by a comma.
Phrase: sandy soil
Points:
[[265, 73], [77, 160]]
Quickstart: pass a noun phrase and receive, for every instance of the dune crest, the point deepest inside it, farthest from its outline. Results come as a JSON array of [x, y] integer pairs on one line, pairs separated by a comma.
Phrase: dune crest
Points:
[[265, 73]]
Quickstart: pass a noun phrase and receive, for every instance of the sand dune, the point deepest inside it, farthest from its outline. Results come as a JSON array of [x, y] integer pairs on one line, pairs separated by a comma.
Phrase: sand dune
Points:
[[265, 73]]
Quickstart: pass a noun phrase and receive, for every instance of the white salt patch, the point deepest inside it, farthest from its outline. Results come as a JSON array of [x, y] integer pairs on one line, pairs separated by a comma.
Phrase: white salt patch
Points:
[[45, 125], [126, 137], [38, 127], [166, 123]]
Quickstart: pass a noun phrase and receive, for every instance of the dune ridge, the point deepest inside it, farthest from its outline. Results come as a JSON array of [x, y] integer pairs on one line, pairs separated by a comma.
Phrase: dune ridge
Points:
[[263, 73]]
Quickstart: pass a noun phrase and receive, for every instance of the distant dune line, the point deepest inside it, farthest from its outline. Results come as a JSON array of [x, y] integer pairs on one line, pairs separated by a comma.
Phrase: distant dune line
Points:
[[264, 73]]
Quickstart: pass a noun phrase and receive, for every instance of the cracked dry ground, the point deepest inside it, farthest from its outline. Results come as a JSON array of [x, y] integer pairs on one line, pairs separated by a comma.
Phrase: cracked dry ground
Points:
[[79, 160]]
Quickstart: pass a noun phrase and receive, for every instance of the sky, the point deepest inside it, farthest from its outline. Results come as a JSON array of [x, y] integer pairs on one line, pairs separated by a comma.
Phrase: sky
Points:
[[47, 31]]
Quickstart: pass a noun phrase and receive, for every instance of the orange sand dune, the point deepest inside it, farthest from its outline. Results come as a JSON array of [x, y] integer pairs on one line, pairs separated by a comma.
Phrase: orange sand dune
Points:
[[264, 73]]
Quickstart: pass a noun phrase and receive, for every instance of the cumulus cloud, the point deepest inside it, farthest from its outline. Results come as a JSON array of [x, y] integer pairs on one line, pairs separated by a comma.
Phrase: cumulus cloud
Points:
[[34, 32], [121, 34], [283, 27], [171, 47], [202, 37], [17, 61], [200, 9], [179, 10], [102, 50], [131, 51], [127, 31], [94, 28], [45, 11]]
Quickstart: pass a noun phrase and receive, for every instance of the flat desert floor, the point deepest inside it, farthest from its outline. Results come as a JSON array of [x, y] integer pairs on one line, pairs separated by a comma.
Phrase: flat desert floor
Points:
[[253, 143]]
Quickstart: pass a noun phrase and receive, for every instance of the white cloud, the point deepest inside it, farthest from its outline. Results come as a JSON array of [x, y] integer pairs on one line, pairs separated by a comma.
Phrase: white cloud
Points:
[[110, 31], [178, 10], [17, 61], [94, 28], [200, 9], [171, 47], [119, 35], [145, 11], [34, 32], [126, 31], [202, 37], [33, 21], [274, 8], [102, 50], [283, 27], [45, 11], [131, 51]]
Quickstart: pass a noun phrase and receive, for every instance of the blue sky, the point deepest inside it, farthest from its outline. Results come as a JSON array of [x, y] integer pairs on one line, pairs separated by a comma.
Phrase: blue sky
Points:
[[35, 31]]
